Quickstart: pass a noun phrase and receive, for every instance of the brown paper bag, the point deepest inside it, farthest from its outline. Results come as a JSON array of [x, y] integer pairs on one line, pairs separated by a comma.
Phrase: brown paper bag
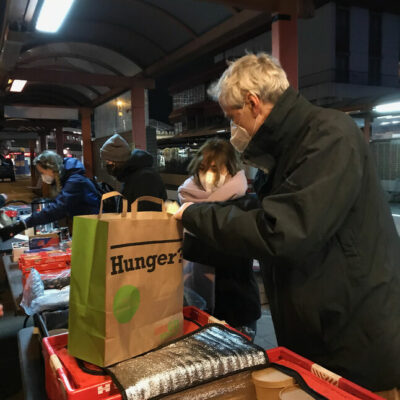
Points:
[[126, 292]]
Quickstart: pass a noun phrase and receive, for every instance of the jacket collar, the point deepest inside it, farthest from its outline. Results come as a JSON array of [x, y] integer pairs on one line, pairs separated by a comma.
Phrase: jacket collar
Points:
[[287, 117]]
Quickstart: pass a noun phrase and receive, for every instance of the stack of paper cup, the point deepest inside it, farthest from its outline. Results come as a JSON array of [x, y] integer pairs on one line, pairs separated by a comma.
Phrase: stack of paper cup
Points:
[[294, 393], [269, 383]]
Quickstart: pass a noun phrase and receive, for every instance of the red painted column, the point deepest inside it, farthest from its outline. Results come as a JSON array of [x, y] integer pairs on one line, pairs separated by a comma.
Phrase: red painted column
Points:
[[285, 45], [138, 118], [86, 114]]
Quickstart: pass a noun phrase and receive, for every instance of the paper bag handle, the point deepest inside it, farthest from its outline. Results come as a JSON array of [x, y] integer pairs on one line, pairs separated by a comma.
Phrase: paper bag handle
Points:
[[106, 196], [135, 205]]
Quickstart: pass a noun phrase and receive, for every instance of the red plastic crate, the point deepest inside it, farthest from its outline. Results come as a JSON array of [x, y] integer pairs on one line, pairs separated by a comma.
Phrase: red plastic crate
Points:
[[320, 379], [60, 383]]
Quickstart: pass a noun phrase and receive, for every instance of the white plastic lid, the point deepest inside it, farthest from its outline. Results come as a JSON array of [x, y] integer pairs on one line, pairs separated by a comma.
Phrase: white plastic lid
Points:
[[271, 378]]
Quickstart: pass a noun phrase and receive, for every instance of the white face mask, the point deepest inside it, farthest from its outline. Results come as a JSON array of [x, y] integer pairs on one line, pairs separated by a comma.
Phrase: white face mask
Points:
[[47, 179], [208, 182], [240, 138]]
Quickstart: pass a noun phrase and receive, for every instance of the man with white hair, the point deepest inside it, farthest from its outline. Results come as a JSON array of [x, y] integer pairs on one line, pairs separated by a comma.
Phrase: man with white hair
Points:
[[323, 232]]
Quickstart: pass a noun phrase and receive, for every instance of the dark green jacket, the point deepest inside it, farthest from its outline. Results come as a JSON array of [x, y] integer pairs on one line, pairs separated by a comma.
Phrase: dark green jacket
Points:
[[325, 237]]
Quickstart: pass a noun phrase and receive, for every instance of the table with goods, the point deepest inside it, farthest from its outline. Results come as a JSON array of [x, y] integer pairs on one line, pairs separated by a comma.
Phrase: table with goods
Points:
[[110, 323]]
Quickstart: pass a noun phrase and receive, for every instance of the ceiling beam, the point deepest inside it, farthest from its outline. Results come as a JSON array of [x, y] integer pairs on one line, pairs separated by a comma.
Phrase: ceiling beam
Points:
[[79, 78], [111, 94], [41, 105], [300, 8], [259, 5], [26, 60], [69, 69], [223, 33], [42, 124]]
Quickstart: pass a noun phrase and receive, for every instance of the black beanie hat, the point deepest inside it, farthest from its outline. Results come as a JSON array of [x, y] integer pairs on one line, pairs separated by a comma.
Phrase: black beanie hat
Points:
[[115, 149]]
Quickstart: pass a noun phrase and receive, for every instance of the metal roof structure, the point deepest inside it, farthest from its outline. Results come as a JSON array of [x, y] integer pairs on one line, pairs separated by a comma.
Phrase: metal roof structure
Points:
[[107, 46]]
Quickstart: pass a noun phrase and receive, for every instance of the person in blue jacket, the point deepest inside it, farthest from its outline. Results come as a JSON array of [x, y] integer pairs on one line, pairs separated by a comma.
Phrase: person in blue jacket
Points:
[[77, 194]]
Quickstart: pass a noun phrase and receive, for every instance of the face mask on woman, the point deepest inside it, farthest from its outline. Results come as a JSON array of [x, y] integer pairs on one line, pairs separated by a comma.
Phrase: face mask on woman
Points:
[[208, 181], [47, 179]]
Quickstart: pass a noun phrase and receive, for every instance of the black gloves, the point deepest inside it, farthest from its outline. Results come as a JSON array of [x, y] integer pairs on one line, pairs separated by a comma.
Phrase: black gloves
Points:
[[11, 230]]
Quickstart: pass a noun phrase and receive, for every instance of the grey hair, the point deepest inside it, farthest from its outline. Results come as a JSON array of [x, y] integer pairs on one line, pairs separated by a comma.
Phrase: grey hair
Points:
[[259, 74]]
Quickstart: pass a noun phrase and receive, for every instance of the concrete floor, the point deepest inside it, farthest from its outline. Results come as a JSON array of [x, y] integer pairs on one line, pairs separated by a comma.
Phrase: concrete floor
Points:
[[10, 381], [18, 190]]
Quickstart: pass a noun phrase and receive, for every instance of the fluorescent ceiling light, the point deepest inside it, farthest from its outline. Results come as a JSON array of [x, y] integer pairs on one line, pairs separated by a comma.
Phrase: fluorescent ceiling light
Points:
[[388, 108], [52, 15], [17, 85], [388, 116]]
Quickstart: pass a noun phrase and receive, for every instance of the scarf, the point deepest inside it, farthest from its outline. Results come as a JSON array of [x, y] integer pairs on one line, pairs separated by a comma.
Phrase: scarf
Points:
[[233, 188]]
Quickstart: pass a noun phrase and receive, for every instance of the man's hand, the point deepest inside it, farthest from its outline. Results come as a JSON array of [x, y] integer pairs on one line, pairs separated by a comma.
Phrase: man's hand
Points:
[[179, 213], [10, 231]]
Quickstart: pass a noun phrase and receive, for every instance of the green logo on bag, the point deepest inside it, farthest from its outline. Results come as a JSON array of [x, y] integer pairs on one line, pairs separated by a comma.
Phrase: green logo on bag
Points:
[[126, 303], [172, 330]]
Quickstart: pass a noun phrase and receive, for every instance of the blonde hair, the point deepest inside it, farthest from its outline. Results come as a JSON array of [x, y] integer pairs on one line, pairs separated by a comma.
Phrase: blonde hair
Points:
[[51, 160], [259, 74]]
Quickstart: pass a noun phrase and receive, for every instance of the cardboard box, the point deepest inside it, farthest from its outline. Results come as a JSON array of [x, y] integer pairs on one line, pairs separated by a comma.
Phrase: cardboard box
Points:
[[18, 248]]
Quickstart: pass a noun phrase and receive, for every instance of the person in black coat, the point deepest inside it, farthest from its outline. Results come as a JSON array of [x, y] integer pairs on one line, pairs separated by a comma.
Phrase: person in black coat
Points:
[[323, 232], [134, 169]]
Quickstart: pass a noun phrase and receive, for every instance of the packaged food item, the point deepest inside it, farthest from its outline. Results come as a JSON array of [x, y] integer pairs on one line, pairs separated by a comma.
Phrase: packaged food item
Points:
[[57, 279], [51, 261], [42, 241], [36, 299]]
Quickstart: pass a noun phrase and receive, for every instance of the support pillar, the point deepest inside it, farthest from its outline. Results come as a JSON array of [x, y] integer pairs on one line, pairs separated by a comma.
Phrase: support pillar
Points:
[[138, 103], [367, 127], [285, 44], [32, 146], [42, 142], [59, 141], [86, 123]]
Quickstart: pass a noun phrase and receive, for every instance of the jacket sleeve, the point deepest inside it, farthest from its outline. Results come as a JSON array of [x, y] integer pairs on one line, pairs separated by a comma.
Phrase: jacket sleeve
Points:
[[301, 214], [248, 202], [68, 199], [193, 249]]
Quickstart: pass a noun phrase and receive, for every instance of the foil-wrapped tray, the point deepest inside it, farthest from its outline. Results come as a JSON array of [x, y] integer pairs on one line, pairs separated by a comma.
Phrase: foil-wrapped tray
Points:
[[203, 356]]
